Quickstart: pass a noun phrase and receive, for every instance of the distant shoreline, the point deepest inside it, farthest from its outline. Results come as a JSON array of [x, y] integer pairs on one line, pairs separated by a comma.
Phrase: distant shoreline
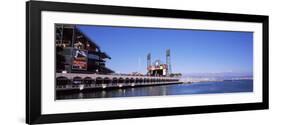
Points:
[[197, 81]]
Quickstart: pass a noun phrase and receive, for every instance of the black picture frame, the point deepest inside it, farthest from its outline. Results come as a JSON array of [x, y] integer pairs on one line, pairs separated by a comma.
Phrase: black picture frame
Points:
[[33, 61]]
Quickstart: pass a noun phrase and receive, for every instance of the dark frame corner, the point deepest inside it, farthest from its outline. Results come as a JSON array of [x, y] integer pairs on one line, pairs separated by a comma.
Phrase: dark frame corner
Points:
[[33, 61]]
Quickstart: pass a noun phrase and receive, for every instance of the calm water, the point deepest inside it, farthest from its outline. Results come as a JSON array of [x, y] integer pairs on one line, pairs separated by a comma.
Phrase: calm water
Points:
[[177, 89]]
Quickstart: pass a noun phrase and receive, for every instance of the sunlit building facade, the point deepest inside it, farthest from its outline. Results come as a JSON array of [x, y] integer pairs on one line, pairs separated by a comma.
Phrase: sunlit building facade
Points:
[[76, 53]]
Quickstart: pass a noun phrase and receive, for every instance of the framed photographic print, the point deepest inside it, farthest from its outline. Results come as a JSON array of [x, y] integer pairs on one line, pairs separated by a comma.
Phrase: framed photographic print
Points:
[[95, 62]]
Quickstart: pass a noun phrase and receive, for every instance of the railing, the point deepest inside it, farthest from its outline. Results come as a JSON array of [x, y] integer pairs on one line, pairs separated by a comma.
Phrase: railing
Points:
[[109, 85]]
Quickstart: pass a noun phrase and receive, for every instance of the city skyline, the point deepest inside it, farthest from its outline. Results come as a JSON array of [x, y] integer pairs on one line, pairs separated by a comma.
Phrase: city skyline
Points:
[[192, 51]]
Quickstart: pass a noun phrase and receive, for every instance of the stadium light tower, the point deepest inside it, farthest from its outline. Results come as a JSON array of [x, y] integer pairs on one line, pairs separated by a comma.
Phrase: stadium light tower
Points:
[[148, 60], [168, 61]]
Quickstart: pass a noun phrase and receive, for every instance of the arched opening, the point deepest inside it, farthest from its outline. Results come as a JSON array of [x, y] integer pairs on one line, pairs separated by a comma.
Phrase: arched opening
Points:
[[88, 80], [145, 80], [132, 80], [140, 80], [114, 80], [148, 80], [77, 80], [127, 80], [99, 80], [61, 81], [120, 80], [106, 80]]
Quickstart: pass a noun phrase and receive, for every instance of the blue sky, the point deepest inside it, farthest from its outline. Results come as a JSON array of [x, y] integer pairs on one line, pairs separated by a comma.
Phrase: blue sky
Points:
[[192, 51]]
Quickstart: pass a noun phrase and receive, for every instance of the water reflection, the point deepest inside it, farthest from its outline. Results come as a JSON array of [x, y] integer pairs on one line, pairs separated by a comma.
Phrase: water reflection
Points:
[[178, 89]]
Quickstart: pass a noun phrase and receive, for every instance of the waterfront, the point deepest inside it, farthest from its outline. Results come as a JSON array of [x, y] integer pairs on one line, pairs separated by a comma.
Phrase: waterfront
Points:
[[163, 90]]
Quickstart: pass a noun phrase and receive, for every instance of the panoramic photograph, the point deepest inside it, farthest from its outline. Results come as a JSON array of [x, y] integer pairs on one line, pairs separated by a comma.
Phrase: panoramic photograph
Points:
[[94, 61]]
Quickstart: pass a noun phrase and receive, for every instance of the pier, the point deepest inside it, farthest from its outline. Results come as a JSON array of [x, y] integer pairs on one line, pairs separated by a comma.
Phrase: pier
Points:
[[75, 81]]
